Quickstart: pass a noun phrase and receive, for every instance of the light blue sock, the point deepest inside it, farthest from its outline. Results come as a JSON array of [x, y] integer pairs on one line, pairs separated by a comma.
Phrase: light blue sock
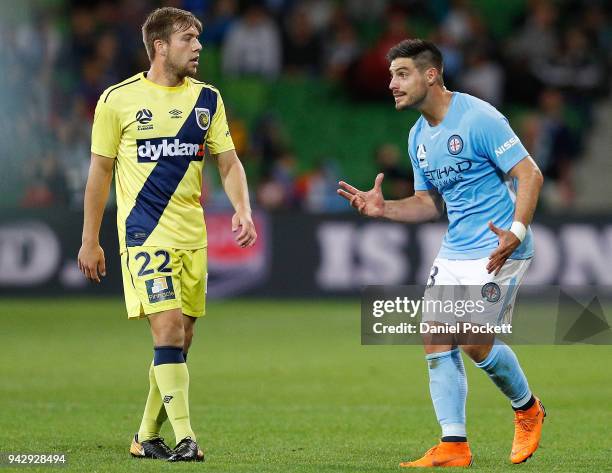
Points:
[[503, 368], [448, 388]]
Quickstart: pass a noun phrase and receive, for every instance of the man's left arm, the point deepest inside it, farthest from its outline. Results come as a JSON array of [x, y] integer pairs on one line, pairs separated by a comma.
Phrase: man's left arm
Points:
[[529, 182], [234, 182]]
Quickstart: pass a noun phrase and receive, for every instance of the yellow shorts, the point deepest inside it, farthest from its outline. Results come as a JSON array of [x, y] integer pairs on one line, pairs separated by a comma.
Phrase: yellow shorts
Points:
[[157, 279]]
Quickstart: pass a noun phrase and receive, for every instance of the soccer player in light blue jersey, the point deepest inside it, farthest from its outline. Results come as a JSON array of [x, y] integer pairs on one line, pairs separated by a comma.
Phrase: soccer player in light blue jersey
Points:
[[466, 158]]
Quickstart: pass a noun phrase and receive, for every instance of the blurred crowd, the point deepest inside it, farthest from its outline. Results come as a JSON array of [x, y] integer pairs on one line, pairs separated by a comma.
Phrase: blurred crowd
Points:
[[549, 65]]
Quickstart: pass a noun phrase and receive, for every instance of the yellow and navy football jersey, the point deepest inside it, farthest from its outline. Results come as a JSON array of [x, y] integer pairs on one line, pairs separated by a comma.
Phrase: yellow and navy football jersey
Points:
[[158, 135]]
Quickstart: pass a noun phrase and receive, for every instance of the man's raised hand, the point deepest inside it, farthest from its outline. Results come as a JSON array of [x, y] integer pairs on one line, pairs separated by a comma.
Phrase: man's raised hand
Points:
[[370, 203]]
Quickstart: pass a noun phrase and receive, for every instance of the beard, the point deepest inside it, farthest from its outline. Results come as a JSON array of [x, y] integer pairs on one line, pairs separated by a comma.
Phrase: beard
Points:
[[413, 101], [180, 70]]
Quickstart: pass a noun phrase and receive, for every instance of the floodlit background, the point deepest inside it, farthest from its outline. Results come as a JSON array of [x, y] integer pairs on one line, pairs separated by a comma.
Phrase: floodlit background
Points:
[[280, 380], [305, 83]]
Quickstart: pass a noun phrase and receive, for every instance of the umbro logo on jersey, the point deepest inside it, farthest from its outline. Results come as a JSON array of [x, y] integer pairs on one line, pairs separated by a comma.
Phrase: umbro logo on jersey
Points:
[[175, 113], [144, 116], [154, 149]]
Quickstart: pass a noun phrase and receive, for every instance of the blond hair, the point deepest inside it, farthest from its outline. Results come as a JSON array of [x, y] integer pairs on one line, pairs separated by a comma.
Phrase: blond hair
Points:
[[162, 22]]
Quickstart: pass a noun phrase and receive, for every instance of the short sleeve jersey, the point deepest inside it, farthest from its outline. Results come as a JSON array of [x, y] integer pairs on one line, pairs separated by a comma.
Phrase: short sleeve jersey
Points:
[[466, 159], [158, 135]]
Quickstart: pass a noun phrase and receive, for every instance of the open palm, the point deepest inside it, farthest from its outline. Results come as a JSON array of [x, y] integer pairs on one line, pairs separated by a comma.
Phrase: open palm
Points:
[[370, 203]]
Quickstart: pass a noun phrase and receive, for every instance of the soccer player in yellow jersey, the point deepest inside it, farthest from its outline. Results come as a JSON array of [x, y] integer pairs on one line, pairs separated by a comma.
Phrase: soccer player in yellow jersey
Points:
[[152, 130]]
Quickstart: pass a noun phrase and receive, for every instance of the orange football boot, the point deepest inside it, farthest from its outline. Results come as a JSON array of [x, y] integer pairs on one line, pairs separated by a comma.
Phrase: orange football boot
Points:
[[444, 454], [527, 432]]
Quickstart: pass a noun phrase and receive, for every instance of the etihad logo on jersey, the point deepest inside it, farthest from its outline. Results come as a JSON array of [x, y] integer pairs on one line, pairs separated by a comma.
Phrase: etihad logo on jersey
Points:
[[506, 146], [153, 150], [449, 171]]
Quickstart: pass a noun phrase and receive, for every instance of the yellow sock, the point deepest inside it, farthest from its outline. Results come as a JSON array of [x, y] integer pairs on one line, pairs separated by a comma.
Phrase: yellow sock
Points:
[[154, 412], [173, 382]]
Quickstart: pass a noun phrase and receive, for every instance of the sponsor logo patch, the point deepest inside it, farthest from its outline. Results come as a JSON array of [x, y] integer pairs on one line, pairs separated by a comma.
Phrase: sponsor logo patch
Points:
[[506, 146], [160, 289], [450, 170], [153, 149]]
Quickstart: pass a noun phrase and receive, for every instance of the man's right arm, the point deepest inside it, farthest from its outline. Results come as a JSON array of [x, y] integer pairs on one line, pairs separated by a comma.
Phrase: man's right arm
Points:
[[91, 256], [426, 204], [423, 206]]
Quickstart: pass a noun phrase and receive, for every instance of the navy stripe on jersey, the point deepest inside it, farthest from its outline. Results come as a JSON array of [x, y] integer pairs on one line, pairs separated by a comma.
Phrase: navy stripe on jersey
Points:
[[165, 177], [118, 87], [204, 83]]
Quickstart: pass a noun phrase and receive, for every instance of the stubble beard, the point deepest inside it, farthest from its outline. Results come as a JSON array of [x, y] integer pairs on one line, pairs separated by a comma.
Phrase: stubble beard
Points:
[[414, 103], [180, 71]]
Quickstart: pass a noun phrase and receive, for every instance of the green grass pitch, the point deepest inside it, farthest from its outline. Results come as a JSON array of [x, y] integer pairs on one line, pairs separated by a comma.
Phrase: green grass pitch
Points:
[[275, 387]]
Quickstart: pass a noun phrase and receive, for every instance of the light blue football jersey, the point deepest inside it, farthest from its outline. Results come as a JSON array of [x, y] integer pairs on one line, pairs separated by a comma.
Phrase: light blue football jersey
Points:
[[466, 158]]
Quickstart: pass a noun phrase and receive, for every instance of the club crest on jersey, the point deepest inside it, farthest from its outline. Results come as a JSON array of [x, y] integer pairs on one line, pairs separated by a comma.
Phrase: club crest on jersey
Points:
[[422, 156], [202, 117], [491, 292], [455, 144]]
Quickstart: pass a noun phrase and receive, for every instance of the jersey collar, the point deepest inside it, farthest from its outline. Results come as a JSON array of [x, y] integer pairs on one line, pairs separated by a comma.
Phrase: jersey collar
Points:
[[176, 88]]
